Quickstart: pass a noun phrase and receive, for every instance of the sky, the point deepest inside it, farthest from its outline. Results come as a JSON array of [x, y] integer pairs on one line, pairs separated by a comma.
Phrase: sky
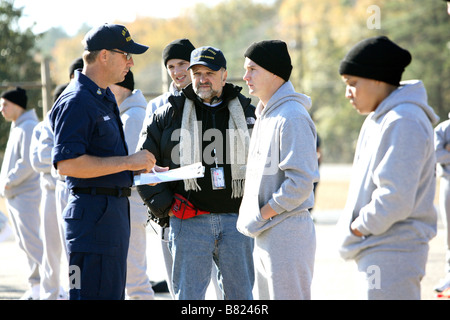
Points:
[[70, 15]]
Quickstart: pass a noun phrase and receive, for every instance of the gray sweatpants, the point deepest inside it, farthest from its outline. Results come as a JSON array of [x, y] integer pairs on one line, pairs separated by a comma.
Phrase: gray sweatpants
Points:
[[61, 198], [444, 210], [393, 274], [51, 237], [284, 259], [24, 212], [138, 285]]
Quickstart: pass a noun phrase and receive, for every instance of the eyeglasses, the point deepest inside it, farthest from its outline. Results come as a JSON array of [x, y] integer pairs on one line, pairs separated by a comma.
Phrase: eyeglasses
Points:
[[126, 54]]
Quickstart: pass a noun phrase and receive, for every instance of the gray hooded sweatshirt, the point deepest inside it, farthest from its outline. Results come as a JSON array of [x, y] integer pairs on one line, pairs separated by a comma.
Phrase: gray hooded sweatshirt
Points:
[[41, 155], [441, 139], [282, 163], [132, 114], [393, 181], [17, 171]]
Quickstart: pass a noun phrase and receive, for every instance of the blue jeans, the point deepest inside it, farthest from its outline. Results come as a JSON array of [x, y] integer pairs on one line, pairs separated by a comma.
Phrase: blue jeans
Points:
[[196, 243]]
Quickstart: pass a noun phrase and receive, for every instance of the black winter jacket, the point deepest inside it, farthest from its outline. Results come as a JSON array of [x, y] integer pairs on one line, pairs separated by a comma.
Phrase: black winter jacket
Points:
[[159, 141]]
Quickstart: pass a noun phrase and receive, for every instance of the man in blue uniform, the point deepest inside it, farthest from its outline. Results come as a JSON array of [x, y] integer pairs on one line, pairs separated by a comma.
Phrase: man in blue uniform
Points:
[[91, 151]]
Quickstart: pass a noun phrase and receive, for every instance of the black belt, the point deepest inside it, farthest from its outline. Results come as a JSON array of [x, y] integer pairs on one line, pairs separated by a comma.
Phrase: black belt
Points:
[[117, 192]]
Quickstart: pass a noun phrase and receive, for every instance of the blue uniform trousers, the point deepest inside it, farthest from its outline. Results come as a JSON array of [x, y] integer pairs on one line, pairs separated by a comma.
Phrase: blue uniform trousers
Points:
[[97, 236]]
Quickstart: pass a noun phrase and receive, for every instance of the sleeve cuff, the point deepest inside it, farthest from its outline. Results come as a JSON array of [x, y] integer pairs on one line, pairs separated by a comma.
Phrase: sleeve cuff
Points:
[[67, 151]]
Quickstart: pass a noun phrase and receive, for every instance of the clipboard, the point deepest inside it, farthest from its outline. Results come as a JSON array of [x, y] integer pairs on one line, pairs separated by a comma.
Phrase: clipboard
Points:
[[196, 170]]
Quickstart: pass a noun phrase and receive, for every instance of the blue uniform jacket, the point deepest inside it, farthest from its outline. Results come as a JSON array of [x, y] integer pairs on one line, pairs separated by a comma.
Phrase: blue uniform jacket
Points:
[[85, 120]]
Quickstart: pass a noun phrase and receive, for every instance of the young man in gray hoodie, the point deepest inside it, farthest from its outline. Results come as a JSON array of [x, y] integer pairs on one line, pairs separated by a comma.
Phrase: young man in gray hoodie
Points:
[[19, 183], [175, 56], [132, 106], [389, 217], [442, 147], [281, 170]]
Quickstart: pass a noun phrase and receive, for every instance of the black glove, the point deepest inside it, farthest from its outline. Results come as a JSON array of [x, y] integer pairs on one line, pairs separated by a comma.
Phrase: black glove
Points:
[[162, 222], [158, 201]]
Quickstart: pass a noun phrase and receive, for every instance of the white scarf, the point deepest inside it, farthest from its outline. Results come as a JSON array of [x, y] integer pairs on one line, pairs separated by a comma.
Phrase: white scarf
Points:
[[190, 144]]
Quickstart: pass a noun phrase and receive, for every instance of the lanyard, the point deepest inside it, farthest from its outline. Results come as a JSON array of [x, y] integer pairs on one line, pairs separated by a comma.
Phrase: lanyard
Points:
[[214, 127]]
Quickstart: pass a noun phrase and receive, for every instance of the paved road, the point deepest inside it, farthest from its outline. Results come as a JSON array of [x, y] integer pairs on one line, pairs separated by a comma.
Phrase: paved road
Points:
[[334, 279]]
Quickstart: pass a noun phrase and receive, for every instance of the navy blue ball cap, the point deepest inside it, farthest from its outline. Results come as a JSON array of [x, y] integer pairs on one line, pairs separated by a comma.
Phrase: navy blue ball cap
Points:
[[210, 57], [112, 36]]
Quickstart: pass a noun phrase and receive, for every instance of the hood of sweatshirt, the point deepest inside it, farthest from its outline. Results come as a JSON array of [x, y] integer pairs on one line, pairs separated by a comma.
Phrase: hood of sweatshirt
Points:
[[285, 93], [409, 92], [135, 100], [26, 116]]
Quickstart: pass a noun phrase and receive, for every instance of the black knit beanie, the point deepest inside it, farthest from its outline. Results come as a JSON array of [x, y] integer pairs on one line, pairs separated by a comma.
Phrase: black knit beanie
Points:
[[128, 82], [376, 58], [17, 96], [76, 64], [178, 49], [272, 55]]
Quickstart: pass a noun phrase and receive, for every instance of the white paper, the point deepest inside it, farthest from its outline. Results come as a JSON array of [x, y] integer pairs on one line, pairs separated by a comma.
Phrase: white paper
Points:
[[195, 170]]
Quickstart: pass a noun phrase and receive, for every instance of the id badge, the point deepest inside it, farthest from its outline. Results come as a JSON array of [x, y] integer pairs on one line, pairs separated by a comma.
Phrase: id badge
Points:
[[218, 178]]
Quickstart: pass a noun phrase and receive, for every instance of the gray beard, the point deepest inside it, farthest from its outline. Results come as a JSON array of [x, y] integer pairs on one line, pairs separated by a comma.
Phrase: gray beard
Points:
[[209, 95]]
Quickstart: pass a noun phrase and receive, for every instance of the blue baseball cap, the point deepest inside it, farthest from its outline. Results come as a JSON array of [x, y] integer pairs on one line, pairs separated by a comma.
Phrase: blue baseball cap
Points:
[[112, 36], [210, 57]]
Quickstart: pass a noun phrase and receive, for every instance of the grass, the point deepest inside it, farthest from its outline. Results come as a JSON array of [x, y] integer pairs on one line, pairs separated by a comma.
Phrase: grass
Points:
[[330, 195], [3, 206]]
